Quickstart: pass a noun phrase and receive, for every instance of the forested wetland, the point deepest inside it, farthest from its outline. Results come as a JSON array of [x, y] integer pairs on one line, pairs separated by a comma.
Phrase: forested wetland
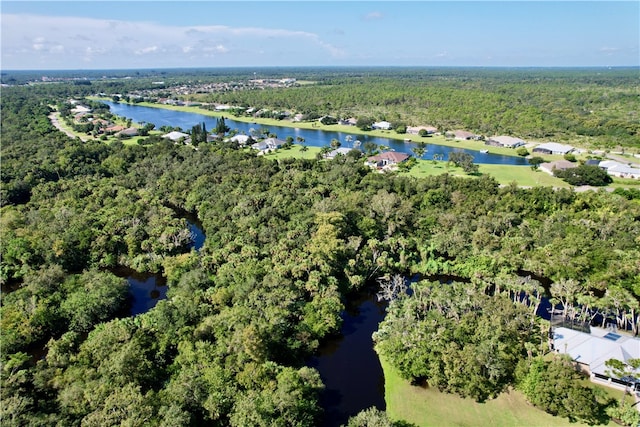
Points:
[[289, 243]]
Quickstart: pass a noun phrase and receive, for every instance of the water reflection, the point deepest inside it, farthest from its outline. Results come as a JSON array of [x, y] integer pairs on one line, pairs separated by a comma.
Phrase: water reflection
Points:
[[313, 138]]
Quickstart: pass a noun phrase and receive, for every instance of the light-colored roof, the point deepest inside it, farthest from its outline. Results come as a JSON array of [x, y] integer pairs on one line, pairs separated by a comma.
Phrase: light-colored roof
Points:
[[606, 164], [554, 147], [508, 141], [341, 150], [241, 139], [624, 169], [381, 125], [596, 348], [175, 135]]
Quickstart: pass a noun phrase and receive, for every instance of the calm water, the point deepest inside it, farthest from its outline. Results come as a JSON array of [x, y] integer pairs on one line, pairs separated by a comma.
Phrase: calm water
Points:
[[147, 289], [348, 365], [313, 138]]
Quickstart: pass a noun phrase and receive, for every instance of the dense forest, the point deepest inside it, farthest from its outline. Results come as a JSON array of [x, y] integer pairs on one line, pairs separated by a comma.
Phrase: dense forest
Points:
[[594, 107], [287, 243], [590, 107]]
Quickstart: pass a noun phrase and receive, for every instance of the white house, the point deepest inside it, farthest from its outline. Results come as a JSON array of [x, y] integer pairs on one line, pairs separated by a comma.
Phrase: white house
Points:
[[175, 136], [623, 171], [342, 151], [268, 144], [381, 125], [240, 139], [553, 148], [592, 350], [620, 170]]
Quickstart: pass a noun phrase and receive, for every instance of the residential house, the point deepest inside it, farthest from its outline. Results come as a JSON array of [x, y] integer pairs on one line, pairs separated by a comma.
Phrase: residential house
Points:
[[415, 130], [553, 148], [342, 151], [620, 170], [128, 132], [80, 109], [176, 136], [351, 121], [269, 144], [386, 160], [240, 139], [505, 141], [462, 135], [114, 129], [381, 125], [557, 165], [590, 351]]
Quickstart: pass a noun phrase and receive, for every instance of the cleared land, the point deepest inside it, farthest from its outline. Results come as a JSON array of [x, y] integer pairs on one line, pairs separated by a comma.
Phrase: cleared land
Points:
[[428, 407]]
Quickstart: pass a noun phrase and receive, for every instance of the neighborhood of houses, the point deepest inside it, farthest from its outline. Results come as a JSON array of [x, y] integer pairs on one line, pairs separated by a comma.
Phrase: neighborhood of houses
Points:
[[383, 161]]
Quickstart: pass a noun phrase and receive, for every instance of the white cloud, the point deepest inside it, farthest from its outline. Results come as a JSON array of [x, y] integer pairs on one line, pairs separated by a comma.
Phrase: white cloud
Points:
[[28, 42], [371, 16], [145, 50]]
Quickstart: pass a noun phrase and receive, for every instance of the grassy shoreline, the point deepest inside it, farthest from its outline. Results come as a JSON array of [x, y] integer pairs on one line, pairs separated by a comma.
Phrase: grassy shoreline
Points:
[[428, 407], [435, 140], [504, 174]]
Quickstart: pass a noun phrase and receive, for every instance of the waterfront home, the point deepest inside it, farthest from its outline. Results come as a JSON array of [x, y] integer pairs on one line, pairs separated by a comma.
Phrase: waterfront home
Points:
[[351, 121], [342, 151], [381, 125], [505, 141], [176, 136], [462, 135], [240, 139], [269, 144], [415, 130], [553, 148], [590, 351], [386, 160]]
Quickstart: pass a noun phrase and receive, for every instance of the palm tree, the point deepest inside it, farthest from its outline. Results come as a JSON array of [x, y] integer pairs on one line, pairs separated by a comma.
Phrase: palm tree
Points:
[[348, 139]]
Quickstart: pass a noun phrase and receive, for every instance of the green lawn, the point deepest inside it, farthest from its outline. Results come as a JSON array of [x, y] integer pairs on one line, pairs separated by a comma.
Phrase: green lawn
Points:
[[504, 174], [429, 407], [294, 152]]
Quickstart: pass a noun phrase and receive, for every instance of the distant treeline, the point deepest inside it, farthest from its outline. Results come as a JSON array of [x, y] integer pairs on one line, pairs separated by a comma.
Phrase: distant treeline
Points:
[[597, 107]]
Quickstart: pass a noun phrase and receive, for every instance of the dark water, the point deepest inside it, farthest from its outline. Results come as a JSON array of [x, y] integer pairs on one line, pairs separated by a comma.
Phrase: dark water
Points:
[[146, 289], [313, 138], [348, 365]]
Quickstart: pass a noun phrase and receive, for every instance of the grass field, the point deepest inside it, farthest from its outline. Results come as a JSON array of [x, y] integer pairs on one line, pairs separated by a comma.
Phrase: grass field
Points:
[[429, 407], [504, 174], [294, 152]]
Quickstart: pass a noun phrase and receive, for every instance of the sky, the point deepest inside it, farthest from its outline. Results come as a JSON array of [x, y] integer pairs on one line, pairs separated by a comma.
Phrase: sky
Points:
[[50, 35]]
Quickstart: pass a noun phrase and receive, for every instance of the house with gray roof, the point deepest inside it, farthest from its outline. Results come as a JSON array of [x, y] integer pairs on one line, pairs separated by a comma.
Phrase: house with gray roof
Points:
[[553, 148], [269, 144], [592, 350], [505, 141]]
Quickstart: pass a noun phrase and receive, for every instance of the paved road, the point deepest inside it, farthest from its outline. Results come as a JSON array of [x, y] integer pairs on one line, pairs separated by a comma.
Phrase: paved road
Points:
[[55, 122]]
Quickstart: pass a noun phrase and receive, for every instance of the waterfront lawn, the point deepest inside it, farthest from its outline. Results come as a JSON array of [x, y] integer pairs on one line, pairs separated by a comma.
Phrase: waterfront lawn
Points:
[[294, 152], [504, 174], [428, 407]]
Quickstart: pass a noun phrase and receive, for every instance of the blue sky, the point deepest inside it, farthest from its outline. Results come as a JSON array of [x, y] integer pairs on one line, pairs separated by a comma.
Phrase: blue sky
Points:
[[163, 34]]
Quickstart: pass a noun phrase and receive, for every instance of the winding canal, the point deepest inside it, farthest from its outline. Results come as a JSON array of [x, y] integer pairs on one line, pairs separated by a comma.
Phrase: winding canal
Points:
[[313, 138]]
